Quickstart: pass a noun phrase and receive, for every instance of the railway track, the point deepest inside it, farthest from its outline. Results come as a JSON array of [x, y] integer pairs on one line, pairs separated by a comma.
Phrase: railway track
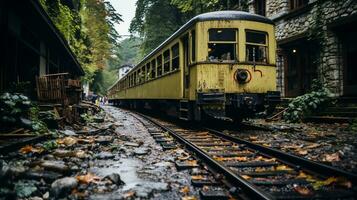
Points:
[[262, 172]]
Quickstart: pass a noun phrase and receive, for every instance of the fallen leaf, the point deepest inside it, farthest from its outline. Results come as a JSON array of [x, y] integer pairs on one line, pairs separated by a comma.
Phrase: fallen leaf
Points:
[[129, 194], [303, 190], [253, 137], [191, 162], [307, 177], [231, 158], [185, 190], [88, 178], [80, 154], [332, 157], [302, 152], [312, 146], [197, 177], [340, 181], [283, 167], [246, 177], [261, 158], [68, 141], [30, 149]]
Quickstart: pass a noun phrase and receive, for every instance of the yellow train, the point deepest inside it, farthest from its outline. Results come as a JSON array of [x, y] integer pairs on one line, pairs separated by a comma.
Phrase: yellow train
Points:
[[219, 64]]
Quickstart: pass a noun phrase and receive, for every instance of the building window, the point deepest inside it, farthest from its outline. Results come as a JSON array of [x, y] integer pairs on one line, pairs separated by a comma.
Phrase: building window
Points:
[[193, 45], [256, 47], [175, 57], [153, 69], [296, 4], [166, 61], [159, 65], [222, 44], [259, 6]]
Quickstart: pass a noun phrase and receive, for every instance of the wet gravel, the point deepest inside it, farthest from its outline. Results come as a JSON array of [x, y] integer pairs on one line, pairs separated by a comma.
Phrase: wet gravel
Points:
[[115, 159]]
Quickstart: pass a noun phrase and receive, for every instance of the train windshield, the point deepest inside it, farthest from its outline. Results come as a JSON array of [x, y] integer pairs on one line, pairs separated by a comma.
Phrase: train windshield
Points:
[[256, 46], [222, 44]]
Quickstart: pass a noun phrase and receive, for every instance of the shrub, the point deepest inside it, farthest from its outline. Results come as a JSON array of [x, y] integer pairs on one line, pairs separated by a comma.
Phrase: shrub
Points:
[[308, 103], [17, 109]]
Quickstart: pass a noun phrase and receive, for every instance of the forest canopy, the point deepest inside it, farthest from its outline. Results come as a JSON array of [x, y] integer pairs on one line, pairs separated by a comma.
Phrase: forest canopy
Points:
[[88, 27], [156, 20]]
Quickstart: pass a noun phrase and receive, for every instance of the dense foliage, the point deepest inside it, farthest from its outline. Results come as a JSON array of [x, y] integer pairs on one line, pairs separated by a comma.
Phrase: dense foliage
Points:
[[89, 30], [156, 20], [125, 53], [308, 103], [16, 109]]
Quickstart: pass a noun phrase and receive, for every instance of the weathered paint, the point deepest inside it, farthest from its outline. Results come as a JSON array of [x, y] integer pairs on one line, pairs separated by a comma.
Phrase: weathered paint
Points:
[[206, 76]]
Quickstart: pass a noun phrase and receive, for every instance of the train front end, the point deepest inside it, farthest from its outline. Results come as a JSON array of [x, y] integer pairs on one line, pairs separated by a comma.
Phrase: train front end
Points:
[[235, 73]]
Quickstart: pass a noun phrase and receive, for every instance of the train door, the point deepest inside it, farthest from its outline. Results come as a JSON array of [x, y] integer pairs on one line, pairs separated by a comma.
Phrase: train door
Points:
[[186, 71]]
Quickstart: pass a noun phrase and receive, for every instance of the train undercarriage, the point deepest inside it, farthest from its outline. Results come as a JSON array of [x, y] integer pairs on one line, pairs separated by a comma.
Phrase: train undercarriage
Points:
[[222, 106]]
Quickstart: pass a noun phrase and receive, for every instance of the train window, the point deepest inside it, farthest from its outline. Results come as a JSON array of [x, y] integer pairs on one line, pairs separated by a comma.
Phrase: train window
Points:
[[142, 74], [193, 45], [175, 57], [222, 44], [135, 80], [147, 71], [256, 46], [153, 69], [166, 61], [130, 80], [159, 65]]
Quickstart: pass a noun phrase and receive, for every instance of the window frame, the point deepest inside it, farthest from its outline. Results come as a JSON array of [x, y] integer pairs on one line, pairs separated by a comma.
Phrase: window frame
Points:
[[294, 4], [153, 69], [166, 63], [236, 43], [147, 71], [266, 45], [262, 5], [159, 68], [173, 57]]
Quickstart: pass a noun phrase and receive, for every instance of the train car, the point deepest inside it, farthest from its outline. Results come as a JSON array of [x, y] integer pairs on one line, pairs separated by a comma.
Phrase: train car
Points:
[[219, 64]]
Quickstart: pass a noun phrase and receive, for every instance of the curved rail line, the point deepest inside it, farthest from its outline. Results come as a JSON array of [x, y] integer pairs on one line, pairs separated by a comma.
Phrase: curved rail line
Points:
[[262, 172]]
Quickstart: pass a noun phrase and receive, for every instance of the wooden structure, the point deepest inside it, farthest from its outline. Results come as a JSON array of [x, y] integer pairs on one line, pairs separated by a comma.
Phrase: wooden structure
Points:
[[31, 46], [57, 88]]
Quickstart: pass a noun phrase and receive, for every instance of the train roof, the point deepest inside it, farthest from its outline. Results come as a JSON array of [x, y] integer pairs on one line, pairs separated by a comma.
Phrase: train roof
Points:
[[217, 15]]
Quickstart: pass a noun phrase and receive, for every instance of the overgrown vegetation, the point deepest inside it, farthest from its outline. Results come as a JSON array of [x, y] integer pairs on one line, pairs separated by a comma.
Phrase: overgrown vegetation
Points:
[[89, 30], [156, 20], [17, 110], [307, 104]]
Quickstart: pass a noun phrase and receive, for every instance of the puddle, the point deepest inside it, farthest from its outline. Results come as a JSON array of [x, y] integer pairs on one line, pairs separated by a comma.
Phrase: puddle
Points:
[[126, 168]]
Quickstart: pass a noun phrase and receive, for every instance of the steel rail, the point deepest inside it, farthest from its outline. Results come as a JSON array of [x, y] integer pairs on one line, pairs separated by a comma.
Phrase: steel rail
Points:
[[316, 167], [234, 178]]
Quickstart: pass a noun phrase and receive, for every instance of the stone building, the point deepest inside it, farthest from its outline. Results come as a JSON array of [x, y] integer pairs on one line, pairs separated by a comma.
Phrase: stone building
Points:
[[316, 38]]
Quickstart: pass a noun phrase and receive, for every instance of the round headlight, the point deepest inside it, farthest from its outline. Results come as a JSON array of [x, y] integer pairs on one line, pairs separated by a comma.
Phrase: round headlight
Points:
[[242, 75]]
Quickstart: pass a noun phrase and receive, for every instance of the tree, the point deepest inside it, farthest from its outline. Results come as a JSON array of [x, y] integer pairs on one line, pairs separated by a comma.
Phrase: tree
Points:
[[156, 20], [89, 31]]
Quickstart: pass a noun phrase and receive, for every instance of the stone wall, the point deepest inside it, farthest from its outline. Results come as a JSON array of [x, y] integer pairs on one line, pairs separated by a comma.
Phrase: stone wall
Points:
[[288, 26]]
